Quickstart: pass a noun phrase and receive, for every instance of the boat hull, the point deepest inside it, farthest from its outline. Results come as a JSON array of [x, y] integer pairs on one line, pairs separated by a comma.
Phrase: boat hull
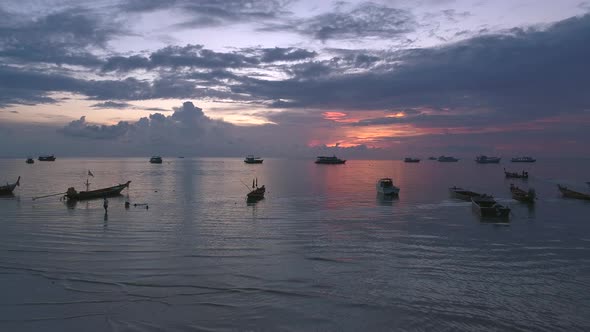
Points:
[[487, 207], [253, 161], [385, 187], [462, 194], [411, 160], [94, 194], [9, 188], [572, 193], [47, 158], [330, 162]]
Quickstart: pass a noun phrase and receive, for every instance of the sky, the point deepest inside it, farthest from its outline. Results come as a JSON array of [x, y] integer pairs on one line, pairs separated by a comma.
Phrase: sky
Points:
[[285, 78]]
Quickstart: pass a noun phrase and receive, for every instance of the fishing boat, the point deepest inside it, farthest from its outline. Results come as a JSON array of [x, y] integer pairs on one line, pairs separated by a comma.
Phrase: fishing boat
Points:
[[30, 161], [47, 158], [486, 206], [156, 160], [516, 175], [385, 186], [446, 159], [523, 160], [72, 194], [329, 160], [463, 194], [257, 193], [572, 193], [9, 188], [522, 195], [250, 159], [412, 160], [487, 160]]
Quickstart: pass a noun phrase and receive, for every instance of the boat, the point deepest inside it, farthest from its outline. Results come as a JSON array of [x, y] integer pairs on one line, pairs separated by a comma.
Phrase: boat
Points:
[[432, 158], [486, 206], [516, 175], [47, 158], [250, 159], [412, 160], [329, 160], [572, 193], [72, 194], [522, 195], [156, 160], [446, 159], [385, 186], [523, 160], [30, 161], [9, 188], [257, 193], [463, 194], [487, 160]]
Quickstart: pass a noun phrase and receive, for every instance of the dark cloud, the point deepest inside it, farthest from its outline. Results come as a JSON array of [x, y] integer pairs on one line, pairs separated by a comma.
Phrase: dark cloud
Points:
[[521, 74], [207, 13], [63, 37], [112, 104], [192, 56], [367, 20], [285, 54]]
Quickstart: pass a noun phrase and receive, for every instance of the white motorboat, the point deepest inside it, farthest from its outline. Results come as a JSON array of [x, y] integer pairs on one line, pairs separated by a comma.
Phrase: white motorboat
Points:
[[385, 186]]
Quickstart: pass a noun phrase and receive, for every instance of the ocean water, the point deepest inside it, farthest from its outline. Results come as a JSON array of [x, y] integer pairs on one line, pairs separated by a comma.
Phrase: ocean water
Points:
[[321, 252]]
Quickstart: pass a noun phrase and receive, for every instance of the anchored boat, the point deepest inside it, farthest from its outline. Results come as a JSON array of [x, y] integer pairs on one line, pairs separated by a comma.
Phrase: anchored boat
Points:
[[446, 159], [47, 158], [487, 160], [156, 160], [9, 188], [516, 175], [463, 194], [257, 193], [486, 206], [412, 160], [572, 193], [522, 195], [523, 160], [329, 160], [250, 159], [72, 194], [385, 186]]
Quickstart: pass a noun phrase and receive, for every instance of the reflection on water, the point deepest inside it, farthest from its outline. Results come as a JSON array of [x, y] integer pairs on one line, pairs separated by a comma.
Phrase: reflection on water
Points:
[[322, 251]]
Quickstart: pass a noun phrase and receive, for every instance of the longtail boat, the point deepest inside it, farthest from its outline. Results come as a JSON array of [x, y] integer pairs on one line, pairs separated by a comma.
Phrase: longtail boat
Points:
[[516, 175], [72, 194], [523, 196], [572, 193], [9, 188], [257, 193], [464, 194], [487, 206]]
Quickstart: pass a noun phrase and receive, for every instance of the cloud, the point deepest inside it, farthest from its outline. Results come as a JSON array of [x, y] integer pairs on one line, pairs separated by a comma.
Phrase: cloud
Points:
[[519, 74], [187, 125], [208, 13], [62, 37], [112, 104], [80, 128], [366, 20]]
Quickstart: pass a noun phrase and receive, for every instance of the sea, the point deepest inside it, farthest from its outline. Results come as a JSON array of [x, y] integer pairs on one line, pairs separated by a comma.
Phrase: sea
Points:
[[321, 252]]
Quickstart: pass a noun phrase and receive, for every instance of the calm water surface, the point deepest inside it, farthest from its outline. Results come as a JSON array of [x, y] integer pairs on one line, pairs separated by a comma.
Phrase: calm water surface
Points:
[[321, 252]]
